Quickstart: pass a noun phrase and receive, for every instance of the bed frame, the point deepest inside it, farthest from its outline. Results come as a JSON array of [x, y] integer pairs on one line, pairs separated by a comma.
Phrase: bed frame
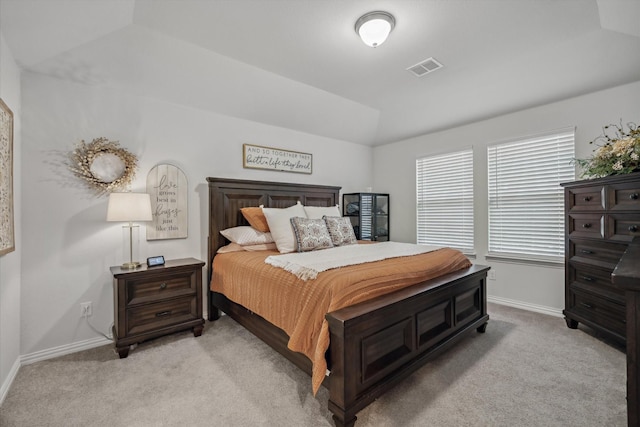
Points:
[[374, 344]]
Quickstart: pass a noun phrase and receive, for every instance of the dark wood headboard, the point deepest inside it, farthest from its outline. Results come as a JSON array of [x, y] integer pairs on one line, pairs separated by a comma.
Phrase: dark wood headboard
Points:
[[227, 196]]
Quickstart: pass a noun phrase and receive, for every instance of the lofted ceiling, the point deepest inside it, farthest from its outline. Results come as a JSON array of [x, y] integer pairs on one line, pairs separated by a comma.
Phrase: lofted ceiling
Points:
[[299, 63]]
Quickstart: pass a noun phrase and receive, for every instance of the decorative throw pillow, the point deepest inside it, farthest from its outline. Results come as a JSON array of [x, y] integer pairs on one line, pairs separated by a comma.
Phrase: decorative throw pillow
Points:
[[317, 212], [279, 221], [234, 247], [311, 234], [245, 235], [340, 230], [255, 217]]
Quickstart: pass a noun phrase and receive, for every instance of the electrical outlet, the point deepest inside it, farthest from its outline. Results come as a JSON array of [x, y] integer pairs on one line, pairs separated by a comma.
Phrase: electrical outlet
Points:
[[86, 309], [492, 274]]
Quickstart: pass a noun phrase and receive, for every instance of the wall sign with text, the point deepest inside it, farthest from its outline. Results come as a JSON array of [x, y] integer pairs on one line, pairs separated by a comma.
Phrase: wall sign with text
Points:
[[169, 191], [258, 157]]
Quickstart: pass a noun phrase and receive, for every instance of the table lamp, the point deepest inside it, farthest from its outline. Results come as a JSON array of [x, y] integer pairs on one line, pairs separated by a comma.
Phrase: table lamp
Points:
[[129, 207]]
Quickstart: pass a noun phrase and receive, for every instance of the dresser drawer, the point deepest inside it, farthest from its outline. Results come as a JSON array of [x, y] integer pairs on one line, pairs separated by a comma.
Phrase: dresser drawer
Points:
[[586, 225], [597, 253], [585, 199], [594, 280], [622, 227], [159, 288], [624, 196], [151, 317], [598, 310]]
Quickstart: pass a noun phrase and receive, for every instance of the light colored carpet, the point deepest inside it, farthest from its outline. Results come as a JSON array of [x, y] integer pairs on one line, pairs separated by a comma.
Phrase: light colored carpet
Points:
[[528, 369]]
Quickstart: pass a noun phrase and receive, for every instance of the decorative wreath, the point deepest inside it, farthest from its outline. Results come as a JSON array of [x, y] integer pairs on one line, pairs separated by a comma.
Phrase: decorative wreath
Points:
[[103, 165]]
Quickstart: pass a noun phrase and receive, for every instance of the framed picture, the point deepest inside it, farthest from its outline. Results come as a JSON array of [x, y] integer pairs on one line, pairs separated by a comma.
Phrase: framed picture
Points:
[[7, 242], [259, 157]]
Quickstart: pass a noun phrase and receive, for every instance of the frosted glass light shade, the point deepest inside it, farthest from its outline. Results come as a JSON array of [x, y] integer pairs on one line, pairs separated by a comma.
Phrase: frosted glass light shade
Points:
[[374, 27], [129, 207]]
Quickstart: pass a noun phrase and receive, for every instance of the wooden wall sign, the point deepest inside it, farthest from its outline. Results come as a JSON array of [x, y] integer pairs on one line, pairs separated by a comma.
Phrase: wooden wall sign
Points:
[[7, 242], [258, 157], [168, 188]]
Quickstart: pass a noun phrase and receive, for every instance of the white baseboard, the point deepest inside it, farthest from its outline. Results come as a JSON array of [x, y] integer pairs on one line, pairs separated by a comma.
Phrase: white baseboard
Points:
[[7, 383], [552, 311], [62, 350]]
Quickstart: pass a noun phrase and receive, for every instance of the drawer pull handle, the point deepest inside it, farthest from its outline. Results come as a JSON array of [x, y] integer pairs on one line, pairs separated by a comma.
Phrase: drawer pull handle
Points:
[[163, 313], [633, 196], [586, 225], [587, 278], [587, 198], [633, 228], [163, 286], [586, 251], [586, 305]]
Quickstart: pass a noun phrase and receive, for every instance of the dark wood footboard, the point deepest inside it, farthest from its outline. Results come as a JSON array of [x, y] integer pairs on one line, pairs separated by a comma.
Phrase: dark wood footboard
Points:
[[376, 344]]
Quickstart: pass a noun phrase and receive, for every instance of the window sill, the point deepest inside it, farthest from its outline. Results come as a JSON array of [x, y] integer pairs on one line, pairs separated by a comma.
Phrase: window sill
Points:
[[519, 259]]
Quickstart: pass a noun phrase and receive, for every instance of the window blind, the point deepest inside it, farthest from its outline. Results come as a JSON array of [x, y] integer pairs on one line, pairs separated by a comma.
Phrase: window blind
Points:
[[526, 202], [445, 200]]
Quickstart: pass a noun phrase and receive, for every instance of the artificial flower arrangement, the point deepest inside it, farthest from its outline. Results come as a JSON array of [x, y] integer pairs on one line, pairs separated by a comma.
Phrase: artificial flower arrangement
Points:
[[620, 153]]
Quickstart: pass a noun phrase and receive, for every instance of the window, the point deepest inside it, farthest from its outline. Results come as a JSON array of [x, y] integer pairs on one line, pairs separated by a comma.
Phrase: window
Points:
[[526, 203], [445, 200]]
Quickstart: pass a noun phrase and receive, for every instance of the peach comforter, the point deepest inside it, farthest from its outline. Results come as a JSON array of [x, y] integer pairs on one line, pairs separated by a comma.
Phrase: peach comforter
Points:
[[298, 307]]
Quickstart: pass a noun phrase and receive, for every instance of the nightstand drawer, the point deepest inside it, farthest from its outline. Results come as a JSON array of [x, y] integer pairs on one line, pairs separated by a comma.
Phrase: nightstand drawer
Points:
[[169, 286], [151, 317]]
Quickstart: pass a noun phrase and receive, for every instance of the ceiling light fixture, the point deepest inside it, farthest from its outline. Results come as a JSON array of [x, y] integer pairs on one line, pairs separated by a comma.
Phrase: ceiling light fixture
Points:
[[374, 27]]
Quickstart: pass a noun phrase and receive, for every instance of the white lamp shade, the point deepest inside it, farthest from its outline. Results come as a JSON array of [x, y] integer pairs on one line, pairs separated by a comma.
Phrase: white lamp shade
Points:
[[374, 27], [129, 207]]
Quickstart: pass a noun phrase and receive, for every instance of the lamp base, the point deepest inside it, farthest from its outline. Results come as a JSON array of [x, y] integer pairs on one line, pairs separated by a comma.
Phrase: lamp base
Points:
[[131, 265]]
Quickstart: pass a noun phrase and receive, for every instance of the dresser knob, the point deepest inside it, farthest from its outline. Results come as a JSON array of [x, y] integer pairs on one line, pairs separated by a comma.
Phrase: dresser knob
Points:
[[586, 225], [584, 304], [163, 313], [633, 228], [163, 286], [586, 251], [587, 278], [633, 196], [586, 198]]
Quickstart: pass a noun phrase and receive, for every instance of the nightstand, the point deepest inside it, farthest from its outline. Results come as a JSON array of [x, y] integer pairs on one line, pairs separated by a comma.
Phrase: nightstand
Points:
[[153, 301]]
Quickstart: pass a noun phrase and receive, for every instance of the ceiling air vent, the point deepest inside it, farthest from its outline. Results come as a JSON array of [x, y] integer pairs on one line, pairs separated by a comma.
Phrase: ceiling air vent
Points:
[[425, 67]]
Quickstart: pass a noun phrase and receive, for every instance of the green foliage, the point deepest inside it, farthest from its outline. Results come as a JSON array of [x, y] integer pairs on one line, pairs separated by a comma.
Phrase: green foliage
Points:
[[619, 152]]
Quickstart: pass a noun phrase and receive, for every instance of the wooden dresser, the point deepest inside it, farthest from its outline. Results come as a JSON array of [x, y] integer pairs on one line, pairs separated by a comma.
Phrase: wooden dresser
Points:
[[601, 217]]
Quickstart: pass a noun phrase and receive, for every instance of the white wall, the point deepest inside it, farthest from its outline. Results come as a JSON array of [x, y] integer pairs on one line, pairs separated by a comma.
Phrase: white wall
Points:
[[529, 286], [67, 240], [10, 263]]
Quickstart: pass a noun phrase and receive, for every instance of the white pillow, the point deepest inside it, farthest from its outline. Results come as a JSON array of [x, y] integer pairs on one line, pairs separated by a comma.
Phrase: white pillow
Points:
[[245, 235], [279, 221], [317, 212]]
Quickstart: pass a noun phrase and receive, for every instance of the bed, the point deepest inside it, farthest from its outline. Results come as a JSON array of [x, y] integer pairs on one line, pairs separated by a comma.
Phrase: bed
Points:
[[374, 344]]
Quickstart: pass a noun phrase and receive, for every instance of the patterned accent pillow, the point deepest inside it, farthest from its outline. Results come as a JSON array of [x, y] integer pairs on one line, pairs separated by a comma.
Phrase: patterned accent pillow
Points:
[[340, 230], [311, 234]]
